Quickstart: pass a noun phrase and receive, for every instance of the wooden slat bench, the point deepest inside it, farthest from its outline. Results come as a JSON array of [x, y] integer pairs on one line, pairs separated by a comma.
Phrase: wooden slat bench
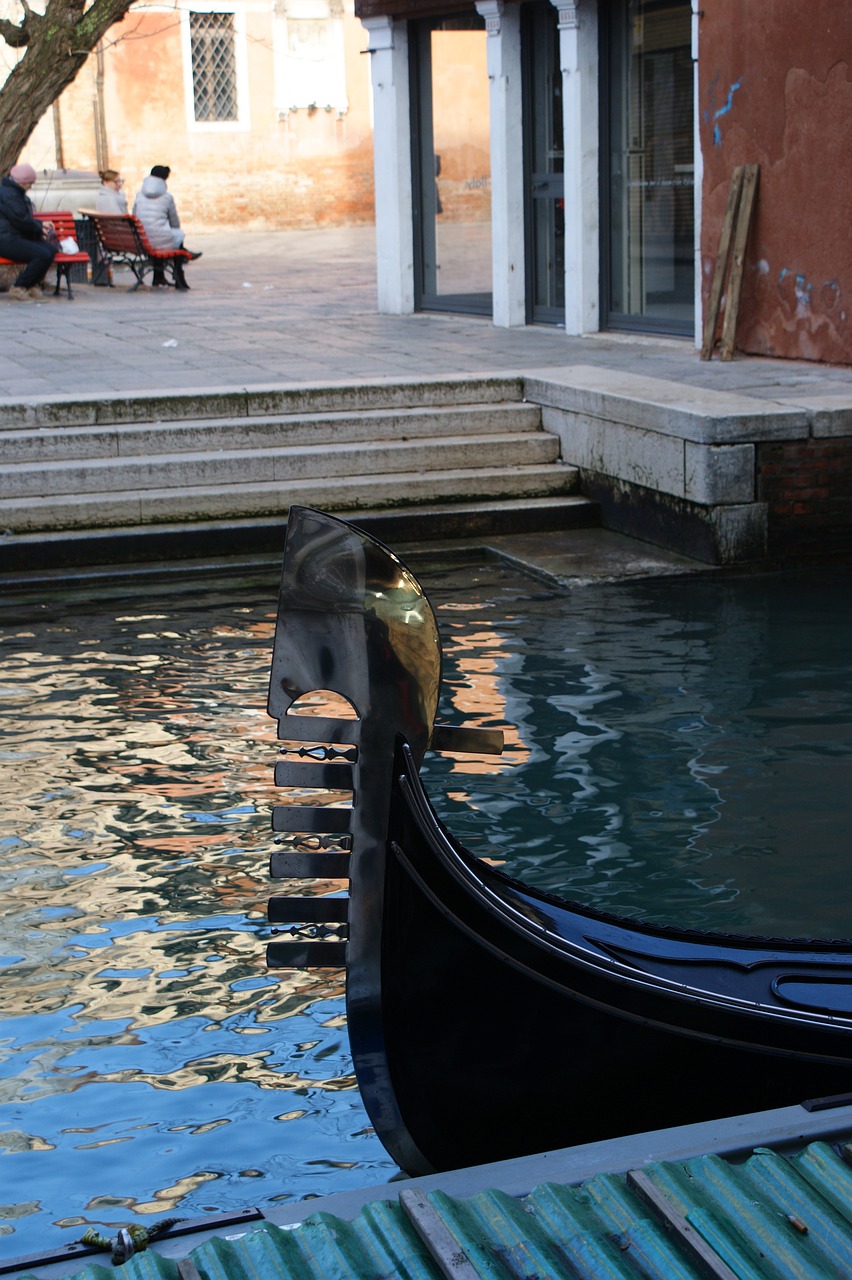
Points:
[[63, 223], [123, 242]]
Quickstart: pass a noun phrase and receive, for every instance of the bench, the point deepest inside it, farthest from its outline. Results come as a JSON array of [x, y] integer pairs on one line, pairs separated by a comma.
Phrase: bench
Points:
[[123, 242], [63, 225]]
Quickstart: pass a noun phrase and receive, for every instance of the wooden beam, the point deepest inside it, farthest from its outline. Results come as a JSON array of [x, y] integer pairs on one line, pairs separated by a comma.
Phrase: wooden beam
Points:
[[445, 1251], [711, 319], [705, 1259], [732, 301]]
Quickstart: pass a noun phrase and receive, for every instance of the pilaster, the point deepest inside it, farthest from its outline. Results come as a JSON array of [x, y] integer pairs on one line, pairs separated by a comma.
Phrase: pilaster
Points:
[[388, 50], [578, 53], [503, 28]]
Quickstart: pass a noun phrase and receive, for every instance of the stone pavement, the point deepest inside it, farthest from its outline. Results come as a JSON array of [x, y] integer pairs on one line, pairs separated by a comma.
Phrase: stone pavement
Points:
[[300, 306]]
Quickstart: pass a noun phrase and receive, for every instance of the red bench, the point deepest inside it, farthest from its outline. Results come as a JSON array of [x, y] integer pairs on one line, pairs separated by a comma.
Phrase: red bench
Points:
[[122, 241], [63, 225]]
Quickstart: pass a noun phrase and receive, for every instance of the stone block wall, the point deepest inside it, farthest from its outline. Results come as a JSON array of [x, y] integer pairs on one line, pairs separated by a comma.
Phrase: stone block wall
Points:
[[722, 477]]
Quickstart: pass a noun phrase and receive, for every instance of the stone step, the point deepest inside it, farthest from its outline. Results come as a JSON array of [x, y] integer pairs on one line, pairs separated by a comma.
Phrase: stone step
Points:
[[54, 444], [295, 398], [235, 468], [165, 546], [344, 492]]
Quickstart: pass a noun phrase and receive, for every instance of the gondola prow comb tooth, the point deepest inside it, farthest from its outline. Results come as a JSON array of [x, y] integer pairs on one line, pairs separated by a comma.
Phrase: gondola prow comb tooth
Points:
[[310, 818], [288, 864], [467, 740]]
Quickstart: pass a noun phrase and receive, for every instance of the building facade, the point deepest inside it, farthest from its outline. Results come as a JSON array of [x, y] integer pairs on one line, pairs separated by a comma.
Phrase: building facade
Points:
[[562, 162], [569, 162], [260, 107]]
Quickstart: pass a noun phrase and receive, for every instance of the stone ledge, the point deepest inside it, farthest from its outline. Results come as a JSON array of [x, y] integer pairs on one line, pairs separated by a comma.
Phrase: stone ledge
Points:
[[671, 409]]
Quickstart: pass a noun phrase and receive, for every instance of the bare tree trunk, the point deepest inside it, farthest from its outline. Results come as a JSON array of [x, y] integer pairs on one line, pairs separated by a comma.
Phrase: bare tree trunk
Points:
[[57, 44]]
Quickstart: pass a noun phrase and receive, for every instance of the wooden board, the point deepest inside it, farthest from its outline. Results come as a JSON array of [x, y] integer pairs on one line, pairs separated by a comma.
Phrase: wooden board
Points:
[[732, 302], [711, 319]]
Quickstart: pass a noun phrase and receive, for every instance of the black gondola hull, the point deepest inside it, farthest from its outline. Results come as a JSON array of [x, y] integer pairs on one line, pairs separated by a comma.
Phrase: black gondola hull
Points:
[[486, 1019], [500, 1045]]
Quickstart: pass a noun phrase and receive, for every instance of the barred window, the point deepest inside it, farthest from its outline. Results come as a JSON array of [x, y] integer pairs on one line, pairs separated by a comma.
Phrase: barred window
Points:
[[214, 66]]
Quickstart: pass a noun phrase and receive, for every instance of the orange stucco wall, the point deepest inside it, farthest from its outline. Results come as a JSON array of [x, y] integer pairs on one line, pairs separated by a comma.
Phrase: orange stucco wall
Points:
[[301, 169], [775, 88]]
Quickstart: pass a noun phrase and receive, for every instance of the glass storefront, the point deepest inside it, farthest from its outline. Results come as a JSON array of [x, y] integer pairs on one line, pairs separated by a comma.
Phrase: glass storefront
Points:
[[648, 187], [544, 164], [452, 164]]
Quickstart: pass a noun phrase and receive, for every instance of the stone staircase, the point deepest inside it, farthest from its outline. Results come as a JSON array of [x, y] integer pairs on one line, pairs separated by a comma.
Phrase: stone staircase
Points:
[[115, 478]]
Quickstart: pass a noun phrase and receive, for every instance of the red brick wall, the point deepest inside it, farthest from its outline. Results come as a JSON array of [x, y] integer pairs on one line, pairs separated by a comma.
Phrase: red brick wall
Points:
[[807, 485], [775, 88]]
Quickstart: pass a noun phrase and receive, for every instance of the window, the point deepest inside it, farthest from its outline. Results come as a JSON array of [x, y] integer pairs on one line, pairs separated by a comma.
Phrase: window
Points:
[[214, 66], [310, 63]]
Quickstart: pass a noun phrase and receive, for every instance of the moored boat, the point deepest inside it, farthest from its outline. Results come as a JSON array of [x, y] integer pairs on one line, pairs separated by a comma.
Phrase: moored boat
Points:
[[488, 1019]]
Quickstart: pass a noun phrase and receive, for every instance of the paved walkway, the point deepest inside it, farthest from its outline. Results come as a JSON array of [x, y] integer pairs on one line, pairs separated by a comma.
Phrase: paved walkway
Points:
[[300, 306]]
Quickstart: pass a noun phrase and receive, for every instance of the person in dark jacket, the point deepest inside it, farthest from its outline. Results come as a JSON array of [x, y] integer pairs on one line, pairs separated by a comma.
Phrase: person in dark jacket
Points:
[[22, 237]]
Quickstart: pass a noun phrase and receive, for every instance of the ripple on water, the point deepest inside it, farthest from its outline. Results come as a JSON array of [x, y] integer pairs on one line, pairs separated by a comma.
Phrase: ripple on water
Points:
[[677, 750]]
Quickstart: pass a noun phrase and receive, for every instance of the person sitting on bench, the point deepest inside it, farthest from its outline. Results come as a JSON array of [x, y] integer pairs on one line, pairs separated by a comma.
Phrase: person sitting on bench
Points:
[[23, 238], [110, 197], [155, 208]]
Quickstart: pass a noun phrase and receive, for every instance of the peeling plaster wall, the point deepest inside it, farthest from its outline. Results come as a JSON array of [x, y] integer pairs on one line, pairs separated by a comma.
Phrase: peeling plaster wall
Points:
[[292, 168], [775, 88]]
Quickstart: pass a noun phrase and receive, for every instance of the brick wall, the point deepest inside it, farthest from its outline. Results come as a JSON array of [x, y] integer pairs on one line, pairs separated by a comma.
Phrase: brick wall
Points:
[[807, 486]]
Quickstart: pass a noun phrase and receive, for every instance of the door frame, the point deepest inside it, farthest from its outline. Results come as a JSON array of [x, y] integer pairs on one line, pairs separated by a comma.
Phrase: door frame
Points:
[[423, 205]]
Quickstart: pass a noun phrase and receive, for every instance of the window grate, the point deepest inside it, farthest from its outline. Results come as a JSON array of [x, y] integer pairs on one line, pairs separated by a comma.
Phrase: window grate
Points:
[[214, 67]]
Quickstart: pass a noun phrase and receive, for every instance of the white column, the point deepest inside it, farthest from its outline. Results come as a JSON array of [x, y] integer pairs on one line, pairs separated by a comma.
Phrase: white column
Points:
[[578, 52], [503, 27], [388, 49], [698, 172]]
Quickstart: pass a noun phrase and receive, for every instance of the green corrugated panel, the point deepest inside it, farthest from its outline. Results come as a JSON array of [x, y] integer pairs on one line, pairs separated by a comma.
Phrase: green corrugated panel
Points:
[[803, 1209], [620, 1219], [143, 1266], [830, 1175], [739, 1210], [725, 1238], [380, 1242], [498, 1235], [564, 1215], [767, 1218]]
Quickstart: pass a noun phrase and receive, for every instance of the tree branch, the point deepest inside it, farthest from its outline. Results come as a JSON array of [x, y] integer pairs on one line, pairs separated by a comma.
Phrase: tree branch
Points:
[[16, 35]]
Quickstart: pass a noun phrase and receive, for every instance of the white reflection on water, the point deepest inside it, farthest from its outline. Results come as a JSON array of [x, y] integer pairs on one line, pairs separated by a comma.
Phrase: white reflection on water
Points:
[[679, 750]]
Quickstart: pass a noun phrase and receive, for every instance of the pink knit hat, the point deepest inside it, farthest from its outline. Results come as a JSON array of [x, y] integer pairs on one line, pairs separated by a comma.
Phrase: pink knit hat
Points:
[[22, 173]]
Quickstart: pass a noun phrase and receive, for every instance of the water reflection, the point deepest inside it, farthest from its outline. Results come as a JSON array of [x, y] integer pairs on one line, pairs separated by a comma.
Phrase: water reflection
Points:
[[689, 747], [136, 790], [678, 750]]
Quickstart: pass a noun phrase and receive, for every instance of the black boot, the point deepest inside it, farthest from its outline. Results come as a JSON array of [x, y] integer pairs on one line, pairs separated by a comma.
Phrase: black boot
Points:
[[158, 279], [180, 278]]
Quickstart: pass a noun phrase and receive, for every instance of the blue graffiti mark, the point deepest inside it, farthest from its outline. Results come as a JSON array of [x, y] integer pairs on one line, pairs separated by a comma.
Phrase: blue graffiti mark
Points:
[[723, 111], [783, 274]]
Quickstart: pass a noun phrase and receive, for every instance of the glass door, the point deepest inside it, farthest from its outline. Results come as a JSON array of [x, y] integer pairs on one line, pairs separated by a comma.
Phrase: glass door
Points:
[[451, 151], [648, 267], [544, 159]]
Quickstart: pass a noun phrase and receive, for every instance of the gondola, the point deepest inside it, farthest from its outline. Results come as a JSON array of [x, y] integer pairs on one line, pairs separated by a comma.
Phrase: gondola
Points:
[[487, 1019]]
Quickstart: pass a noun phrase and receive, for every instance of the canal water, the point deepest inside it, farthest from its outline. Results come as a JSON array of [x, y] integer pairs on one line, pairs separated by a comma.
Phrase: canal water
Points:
[[678, 750]]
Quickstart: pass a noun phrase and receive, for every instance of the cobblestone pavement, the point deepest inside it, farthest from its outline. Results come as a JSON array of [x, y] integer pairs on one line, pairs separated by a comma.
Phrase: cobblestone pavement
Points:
[[300, 306]]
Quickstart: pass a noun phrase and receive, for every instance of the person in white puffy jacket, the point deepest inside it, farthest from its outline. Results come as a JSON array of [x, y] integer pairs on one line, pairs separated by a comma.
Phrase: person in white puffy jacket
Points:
[[155, 208]]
